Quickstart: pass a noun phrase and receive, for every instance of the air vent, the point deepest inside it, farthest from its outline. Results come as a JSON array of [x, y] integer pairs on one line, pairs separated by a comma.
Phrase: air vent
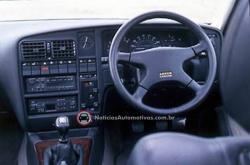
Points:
[[33, 50], [63, 48]]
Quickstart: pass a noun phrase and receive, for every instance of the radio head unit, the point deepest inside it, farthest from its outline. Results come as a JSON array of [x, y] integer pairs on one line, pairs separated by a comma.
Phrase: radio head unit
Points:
[[50, 83]]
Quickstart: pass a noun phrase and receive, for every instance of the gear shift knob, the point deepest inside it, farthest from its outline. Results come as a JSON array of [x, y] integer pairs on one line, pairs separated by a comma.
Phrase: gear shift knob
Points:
[[62, 125], [64, 152]]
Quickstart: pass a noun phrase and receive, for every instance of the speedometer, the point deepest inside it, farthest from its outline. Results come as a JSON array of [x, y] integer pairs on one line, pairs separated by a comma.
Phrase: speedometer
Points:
[[144, 41]]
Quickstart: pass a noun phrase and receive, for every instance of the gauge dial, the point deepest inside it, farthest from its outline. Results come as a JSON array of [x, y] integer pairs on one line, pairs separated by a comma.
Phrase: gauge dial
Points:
[[173, 40], [144, 41], [124, 46], [87, 42]]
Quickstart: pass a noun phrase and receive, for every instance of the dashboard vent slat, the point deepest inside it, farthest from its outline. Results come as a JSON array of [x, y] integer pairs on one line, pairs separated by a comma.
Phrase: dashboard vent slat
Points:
[[33, 50], [63, 49]]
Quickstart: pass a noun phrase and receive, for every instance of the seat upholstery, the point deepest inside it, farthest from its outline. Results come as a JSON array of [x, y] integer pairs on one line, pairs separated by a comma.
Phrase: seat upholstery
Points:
[[182, 149]]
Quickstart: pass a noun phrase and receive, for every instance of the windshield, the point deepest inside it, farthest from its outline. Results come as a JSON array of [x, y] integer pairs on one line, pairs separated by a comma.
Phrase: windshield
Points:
[[202, 11]]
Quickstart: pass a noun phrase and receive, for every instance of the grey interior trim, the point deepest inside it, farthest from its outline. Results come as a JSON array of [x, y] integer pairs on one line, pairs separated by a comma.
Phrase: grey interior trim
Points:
[[236, 128], [228, 126], [234, 66], [108, 155], [22, 155], [177, 148]]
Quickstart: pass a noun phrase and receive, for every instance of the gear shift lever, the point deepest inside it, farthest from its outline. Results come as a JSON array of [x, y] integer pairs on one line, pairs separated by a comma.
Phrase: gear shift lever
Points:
[[62, 126], [64, 152]]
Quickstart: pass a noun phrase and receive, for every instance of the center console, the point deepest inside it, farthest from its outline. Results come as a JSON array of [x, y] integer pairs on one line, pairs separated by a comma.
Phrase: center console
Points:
[[58, 75]]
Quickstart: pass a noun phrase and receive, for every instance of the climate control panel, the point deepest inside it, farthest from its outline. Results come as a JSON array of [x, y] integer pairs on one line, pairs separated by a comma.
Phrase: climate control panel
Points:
[[52, 104]]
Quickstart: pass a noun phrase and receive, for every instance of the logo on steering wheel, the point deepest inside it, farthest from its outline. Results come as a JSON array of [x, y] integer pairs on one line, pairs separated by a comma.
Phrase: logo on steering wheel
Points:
[[166, 74]]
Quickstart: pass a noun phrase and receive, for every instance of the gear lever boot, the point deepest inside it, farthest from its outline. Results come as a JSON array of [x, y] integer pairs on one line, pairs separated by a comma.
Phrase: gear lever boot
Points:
[[64, 152]]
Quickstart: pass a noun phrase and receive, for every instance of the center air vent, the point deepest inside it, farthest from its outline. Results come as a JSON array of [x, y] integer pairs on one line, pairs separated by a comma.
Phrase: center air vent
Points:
[[63, 49], [33, 50]]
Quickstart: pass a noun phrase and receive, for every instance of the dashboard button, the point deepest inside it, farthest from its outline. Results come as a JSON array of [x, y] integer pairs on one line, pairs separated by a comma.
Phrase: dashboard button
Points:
[[104, 60], [91, 67], [95, 104], [83, 105], [45, 69], [83, 67], [91, 60], [95, 90], [72, 68], [35, 70], [91, 96], [26, 70], [54, 69], [63, 68], [92, 109]]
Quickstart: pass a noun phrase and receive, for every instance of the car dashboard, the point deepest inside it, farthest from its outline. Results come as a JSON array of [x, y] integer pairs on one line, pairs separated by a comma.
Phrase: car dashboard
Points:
[[51, 71]]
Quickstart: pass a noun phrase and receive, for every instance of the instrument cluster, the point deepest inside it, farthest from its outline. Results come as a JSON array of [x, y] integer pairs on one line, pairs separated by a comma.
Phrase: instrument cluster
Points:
[[142, 40]]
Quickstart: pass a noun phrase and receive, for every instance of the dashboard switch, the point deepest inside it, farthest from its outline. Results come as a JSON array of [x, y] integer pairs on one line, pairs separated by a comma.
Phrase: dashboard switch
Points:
[[91, 67], [83, 67], [63, 68], [95, 90], [45, 69], [54, 69], [35, 70], [26, 70], [71, 66], [95, 104], [83, 105]]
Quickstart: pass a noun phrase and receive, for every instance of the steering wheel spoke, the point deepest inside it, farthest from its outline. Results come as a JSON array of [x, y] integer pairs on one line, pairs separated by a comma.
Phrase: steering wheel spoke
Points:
[[139, 93], [189, 82], [184, 54], [194, 86], [135, 59], [200, 47], [123, 57]]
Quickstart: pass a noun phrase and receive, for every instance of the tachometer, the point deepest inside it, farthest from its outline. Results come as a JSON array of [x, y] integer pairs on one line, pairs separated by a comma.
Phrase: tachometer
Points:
[[144, 41]]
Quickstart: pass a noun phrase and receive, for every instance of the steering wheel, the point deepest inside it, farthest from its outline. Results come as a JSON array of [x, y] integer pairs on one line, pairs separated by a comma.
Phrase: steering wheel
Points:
[[162, 64]]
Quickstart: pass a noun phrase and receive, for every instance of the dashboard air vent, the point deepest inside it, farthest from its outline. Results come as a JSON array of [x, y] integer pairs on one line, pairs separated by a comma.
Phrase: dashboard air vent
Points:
[[33, 50], [63, 48]]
